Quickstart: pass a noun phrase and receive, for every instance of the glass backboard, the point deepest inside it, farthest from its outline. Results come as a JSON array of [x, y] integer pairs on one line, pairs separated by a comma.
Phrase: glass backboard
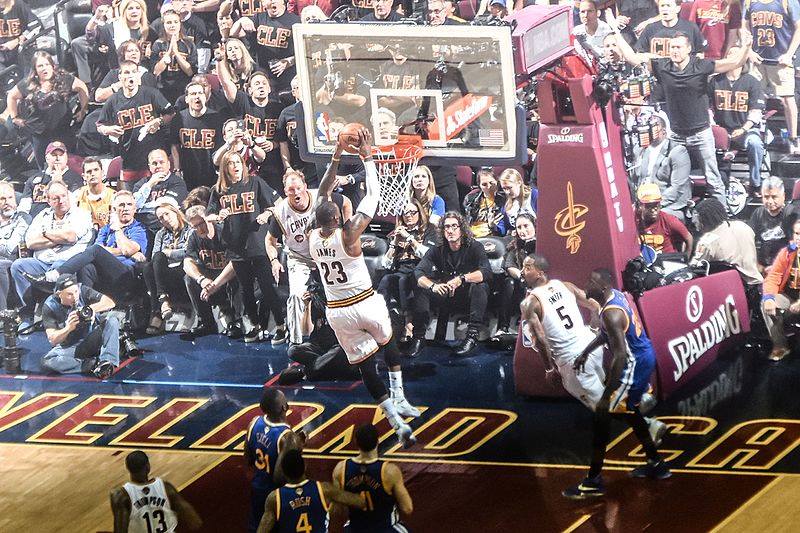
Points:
[[453, 85]]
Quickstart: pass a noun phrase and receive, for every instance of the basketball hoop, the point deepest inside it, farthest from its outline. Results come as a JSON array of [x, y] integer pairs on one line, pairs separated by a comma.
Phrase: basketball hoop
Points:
[[396, 164]]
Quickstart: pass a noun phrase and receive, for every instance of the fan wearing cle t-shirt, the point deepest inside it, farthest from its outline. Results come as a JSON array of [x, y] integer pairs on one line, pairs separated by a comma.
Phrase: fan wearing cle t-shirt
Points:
[[260, 118], [774, 25], [133, 116], [656, 37], [196, 134], [272, 40], [737, 103], [684, 79]]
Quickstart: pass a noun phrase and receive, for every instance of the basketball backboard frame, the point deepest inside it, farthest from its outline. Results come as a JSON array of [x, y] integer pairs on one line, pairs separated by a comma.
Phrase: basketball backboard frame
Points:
[[501, 141]]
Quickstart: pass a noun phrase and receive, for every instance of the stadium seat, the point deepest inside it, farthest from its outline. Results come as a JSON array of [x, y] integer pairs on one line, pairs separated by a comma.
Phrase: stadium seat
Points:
[[374, 248]]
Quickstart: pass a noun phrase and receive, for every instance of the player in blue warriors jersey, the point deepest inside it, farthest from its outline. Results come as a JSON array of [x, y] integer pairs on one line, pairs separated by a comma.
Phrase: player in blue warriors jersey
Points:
[[268, 436], [302, 504], [633, 361], [379, 482]]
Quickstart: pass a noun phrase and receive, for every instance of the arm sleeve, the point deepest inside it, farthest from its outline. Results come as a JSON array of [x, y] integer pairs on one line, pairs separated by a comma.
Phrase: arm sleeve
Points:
[[102, 235], [369, 204], [193, 248], [483, 260], [437, 205], [158, 241], [426, 264], [139, 236]]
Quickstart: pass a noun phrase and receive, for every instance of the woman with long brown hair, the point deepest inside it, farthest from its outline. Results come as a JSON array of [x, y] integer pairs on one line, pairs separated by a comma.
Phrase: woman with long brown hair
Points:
[[423, 189], [164, 273], [174, 57], [520, 198], [242, 203], [411, 238], [512, 285], [42, 105]]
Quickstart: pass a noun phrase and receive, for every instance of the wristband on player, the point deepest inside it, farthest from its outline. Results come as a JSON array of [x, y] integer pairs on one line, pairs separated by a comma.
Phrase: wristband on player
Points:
[[463, 279], [200, 280], [768, 297], [273, 259]]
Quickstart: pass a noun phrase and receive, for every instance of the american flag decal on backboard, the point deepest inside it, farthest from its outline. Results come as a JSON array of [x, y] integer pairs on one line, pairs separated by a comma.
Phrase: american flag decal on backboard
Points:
[[492, 137]]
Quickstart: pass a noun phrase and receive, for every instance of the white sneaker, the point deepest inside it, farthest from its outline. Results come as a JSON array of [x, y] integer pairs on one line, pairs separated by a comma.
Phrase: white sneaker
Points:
[[647, 403], [406, 436], [51, 276], [404, 408], [657, 431]]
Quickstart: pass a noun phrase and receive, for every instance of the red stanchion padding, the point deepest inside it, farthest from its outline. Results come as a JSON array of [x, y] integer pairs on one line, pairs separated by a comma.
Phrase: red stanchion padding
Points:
[[529, 376], [691, 323]]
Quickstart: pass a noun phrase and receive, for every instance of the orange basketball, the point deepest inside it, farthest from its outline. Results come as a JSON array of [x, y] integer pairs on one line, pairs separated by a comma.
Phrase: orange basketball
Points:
[[349, 136]]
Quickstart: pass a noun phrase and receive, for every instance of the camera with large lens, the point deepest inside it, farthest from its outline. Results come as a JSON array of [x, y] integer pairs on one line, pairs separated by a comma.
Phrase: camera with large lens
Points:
[[9, 321], [85, 314], [127, 342]]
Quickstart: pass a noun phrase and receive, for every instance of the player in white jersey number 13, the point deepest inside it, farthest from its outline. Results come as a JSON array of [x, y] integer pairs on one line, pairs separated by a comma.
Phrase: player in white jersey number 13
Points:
[[356, 313], [149, 505]]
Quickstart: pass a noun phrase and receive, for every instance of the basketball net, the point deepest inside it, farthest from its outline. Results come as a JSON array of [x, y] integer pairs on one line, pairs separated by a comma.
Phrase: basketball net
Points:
[[396, 164]]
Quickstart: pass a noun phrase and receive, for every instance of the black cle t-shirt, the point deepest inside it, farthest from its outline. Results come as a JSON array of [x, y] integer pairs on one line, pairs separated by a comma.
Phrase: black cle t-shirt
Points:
[[686, 93], [245, 200]]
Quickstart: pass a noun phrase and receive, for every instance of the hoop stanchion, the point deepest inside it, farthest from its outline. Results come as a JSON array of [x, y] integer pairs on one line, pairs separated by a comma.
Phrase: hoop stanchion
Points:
[[396, 163]]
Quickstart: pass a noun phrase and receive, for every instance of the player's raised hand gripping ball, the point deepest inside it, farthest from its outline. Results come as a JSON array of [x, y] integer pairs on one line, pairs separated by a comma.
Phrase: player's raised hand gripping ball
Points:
[[349, 139]]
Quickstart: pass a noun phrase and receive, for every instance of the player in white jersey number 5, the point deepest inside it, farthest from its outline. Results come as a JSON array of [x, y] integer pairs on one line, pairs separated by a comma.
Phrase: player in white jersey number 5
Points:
[[149, 505], [356, 313]]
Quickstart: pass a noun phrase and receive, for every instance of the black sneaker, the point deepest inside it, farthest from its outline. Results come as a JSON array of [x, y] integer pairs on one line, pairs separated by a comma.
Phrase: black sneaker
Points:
[[234, 331], [254, 335], [290, 376], [588, 488], [103, 370], [279, 337], [651, 470]]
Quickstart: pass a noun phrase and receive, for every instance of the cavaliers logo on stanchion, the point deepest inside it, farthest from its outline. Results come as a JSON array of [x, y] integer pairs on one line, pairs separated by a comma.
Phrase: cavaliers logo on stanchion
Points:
[[568, 224]]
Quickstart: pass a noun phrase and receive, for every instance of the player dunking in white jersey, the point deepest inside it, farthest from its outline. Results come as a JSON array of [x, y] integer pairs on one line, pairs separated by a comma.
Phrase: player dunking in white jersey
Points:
[[146, 504], [551, 318], [357, 314]]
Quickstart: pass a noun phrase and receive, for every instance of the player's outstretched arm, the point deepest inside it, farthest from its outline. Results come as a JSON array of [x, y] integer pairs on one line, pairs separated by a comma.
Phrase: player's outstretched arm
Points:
[[289, 440], [530, 319], [395, 478], [187, 515], [580, 361], [583, 301], [121, 507], [365, 211], [335, 494], [328, 182], [615, 322], [268, 518]]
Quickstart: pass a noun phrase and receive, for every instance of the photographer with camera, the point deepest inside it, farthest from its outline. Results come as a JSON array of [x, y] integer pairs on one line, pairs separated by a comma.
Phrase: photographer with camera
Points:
[[82, 340], [239, 140]]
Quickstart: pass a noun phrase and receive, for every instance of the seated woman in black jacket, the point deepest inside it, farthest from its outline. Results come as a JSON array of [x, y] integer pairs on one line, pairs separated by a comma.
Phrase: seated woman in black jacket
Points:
[[412, 237], [164, 273], [512, 285]]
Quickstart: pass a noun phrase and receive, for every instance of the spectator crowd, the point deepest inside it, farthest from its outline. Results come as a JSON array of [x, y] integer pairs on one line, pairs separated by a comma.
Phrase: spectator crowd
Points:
[[192, 107]]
